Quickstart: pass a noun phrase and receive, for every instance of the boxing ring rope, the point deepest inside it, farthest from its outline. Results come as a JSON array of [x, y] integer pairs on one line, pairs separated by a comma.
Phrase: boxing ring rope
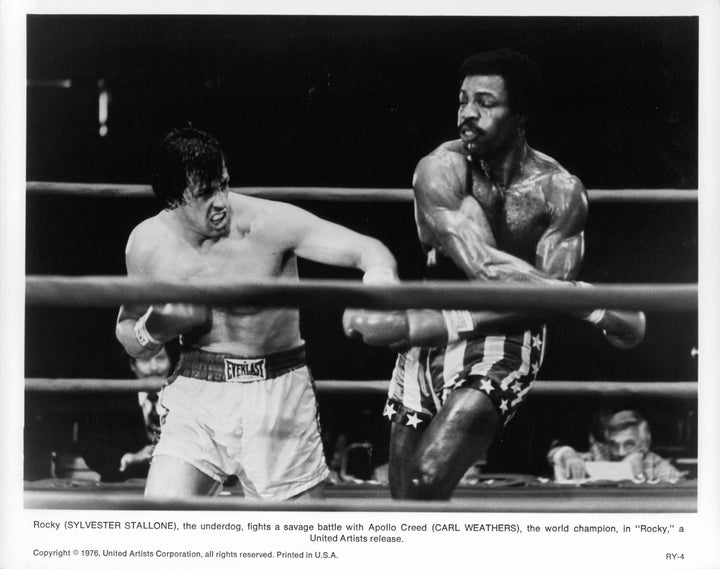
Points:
[[628, 195], [551, 388], [107, 291]]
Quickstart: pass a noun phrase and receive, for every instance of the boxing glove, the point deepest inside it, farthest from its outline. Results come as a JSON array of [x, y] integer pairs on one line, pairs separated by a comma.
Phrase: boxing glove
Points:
[[163, 322], [376, 328], [402, 329], [623, 328]]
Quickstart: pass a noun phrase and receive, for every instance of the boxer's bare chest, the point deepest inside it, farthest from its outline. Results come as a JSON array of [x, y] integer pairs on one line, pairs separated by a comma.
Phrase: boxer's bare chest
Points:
[[236, 257], [518, 214]]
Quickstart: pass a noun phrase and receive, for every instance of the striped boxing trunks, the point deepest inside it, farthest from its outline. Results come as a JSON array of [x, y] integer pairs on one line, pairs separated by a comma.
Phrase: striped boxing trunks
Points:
[[503, 367]]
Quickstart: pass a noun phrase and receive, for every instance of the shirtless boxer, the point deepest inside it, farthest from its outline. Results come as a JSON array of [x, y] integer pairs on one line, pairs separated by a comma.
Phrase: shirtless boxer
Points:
[[241, 400], [490, 208]]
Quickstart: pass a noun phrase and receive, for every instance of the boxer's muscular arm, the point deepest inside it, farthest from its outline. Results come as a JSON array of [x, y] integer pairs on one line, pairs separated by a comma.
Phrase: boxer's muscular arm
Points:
[[316, 239], [458, 224], [560, 253], [128, 315]]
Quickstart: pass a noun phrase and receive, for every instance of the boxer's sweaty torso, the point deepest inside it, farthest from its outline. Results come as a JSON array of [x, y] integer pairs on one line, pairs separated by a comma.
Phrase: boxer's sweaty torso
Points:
[[518, 215], [250, 252]]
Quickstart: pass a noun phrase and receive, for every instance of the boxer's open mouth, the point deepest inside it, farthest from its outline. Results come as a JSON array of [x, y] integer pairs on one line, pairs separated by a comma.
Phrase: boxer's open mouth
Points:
[[218, 218], [468, 133]]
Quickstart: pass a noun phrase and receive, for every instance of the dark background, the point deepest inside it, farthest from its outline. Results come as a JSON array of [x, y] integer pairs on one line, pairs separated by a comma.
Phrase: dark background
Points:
[[355, 102]]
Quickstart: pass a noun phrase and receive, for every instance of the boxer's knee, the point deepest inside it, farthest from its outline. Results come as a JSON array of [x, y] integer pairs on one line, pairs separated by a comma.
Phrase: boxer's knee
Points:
[[426, 476], [173, 478], [431, 480]]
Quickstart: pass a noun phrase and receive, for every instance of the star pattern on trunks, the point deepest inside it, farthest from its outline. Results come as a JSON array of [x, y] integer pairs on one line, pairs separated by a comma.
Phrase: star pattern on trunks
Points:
[[389, 410], [537, 342], [413, 420], [505, 381]]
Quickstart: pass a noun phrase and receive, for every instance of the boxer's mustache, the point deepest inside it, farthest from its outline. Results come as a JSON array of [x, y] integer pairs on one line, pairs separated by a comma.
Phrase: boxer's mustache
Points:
[[470, 124]]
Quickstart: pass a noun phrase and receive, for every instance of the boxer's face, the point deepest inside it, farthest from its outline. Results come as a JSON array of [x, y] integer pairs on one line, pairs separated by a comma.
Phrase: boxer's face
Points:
[[206, 210], [624, 442], [157, 366], [486, 124]]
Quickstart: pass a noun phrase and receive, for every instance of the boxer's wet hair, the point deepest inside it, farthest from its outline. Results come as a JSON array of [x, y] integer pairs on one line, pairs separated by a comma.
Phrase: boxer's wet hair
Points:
[[522, 76], [184, 155]]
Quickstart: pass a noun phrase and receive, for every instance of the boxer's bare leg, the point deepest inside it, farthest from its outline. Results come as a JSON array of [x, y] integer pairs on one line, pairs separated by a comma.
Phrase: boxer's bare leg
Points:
[[431, 467], [171, 477], [403, 442]]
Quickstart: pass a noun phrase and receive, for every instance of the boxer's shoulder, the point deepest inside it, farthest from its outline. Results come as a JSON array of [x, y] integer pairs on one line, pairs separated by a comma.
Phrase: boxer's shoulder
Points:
[[557, 180], [449, 155], [442, 172], [152, 240], [159, 230]]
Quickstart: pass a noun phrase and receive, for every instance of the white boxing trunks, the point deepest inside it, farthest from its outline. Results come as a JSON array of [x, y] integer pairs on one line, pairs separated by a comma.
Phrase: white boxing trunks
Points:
[[254, 417]]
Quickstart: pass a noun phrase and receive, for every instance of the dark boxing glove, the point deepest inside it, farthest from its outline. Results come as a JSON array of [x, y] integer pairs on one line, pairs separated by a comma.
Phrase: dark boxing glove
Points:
[[402, 329], [163, 322], [622, 328], [376, 328]]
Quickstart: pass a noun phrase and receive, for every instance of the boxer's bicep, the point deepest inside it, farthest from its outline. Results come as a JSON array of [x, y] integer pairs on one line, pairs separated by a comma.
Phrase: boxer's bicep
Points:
[[322, 241], [447, 217], [463, 235], [561, 249], [143, 252], [561, 256], [141, 262]]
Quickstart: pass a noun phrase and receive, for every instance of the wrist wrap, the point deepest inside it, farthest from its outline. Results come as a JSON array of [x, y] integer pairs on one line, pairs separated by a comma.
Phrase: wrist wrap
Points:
[[595, 316], [380, 275], [458, 322], [144, 337]]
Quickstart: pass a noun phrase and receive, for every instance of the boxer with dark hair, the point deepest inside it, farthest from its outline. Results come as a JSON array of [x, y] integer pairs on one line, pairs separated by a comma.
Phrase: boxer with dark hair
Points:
[[488, 207], [241, 400]]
